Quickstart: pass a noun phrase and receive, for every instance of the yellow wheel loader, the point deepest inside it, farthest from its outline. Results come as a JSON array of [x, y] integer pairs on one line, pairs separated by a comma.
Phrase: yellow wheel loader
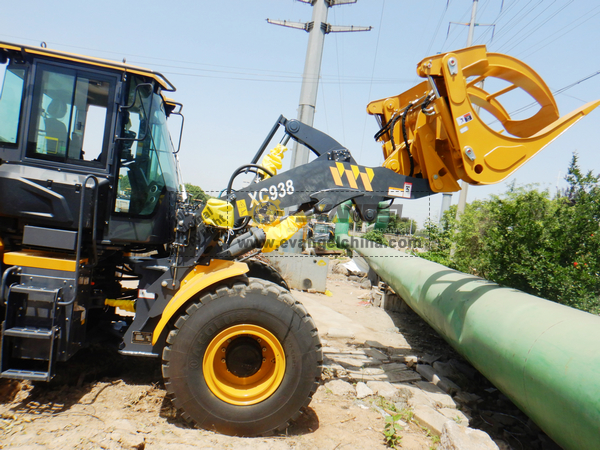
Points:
[[94, 222]]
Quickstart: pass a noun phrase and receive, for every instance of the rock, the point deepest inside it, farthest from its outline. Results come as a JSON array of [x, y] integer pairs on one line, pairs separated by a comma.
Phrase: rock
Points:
[[466, 369], [359, 376], [426, 370], [366, 296], [446, 370], [374, 353], [350, 363], [340, 387], [355, 278], [443, 383], [368, 375], [404, 376], [339, 268], [394, 367], [456, 415], [373, 371], [439, 397], [465, 397], [340, 333], [362, 390], [339, 371], [430, 418], [418, 398], [459, 437], [375, 344], [402, 423], [383, 388], [410, 360], [430, 359], [327, 350], [447, 385], [401, 405], [365, 284]]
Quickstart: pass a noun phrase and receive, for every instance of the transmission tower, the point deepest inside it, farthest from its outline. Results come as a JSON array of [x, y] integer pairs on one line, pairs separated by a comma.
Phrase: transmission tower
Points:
[[317, 28]]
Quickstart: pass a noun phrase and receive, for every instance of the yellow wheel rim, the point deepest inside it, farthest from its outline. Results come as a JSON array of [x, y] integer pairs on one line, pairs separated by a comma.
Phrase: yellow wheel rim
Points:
[[244, 390]]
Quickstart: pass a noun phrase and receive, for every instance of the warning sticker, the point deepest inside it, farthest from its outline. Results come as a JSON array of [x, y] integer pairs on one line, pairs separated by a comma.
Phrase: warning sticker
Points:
[[243, 211], [464, 119], [401, 192]]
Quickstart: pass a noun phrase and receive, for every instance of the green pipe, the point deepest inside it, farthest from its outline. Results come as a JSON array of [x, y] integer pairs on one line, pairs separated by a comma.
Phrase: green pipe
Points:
[[542, 355], [342, 225]]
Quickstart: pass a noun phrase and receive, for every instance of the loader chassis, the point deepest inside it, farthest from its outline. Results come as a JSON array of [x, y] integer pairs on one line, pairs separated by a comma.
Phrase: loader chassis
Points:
[[93, 222]]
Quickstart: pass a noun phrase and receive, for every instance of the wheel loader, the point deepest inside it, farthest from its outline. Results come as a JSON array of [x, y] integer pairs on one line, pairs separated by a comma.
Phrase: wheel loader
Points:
[[96, 234]]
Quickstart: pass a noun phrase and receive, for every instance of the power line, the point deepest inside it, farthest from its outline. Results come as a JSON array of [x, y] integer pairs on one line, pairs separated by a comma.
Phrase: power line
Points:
[[437, 28], [555, 93], [362, 142], [503, 12], [521, 39], [515, 20], [566, 31], [324, 107], [275, 80], [266, 73], [448, 33]]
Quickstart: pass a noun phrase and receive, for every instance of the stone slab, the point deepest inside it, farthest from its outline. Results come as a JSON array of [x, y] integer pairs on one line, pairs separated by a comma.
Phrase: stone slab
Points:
[[438, 396], [362, 390], [376, 354], [459, 437], [341, 388], [383, 388], [430, 418], [456, 415]]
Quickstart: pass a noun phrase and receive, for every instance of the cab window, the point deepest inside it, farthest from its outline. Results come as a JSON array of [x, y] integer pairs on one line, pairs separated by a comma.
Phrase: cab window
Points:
[[147, 166], [70, 116], [11, 99]]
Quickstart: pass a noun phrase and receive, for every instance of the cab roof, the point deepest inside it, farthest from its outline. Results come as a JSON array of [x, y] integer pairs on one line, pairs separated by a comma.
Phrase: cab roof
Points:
[[99, 62]]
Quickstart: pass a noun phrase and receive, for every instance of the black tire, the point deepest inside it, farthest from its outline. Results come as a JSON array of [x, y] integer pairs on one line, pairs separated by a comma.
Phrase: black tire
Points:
[[262, 304], [264, 271]]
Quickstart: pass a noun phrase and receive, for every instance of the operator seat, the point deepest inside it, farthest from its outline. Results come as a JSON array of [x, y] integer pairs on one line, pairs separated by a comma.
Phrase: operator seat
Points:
[[56, 131]]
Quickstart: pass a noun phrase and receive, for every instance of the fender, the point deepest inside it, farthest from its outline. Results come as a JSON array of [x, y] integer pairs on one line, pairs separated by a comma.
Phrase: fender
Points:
[[197, 280]]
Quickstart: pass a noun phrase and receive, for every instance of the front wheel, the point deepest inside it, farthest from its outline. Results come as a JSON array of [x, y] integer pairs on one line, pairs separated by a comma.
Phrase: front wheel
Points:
[[243, 360]]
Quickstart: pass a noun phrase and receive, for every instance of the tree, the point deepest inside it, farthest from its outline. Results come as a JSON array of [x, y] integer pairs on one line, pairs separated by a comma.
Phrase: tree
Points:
[[377, 237], [196, 193], [402, 225], [529, 241]]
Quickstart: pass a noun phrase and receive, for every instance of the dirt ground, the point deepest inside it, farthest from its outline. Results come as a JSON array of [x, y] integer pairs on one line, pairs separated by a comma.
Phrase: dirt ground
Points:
[[101, 400]]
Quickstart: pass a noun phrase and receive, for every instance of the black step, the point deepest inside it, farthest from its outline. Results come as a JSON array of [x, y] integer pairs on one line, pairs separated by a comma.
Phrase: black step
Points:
[[35, 293], [16, 374], [26, 332]]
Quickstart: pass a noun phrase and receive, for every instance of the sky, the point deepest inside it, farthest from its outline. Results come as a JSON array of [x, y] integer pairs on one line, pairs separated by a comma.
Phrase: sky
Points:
[[235, 73]]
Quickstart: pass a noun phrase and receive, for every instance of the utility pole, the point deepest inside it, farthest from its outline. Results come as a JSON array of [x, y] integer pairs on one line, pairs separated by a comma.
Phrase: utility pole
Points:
[[317, 28], [464, 186]]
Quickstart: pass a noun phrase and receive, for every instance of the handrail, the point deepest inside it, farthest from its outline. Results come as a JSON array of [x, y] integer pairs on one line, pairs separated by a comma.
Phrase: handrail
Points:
[[80, 231], [5, 275]]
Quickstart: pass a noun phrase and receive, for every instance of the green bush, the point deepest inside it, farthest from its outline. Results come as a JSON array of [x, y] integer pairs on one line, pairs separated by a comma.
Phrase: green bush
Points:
[[529, 241], [376, 236]]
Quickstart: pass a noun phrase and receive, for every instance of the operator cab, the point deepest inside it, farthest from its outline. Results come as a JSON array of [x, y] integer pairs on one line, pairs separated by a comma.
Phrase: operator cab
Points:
[[66, 118]]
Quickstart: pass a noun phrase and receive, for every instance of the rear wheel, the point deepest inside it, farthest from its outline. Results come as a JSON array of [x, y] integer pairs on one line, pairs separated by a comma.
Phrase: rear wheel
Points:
[[243, 360]]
